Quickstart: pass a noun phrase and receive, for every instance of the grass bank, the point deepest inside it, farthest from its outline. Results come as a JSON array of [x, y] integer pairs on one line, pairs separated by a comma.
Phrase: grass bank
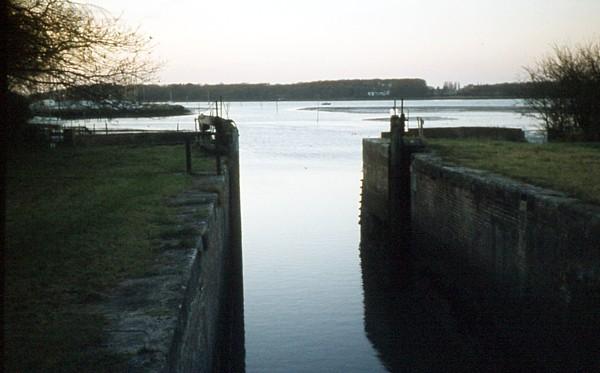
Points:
[[79, 220], [573, 168]]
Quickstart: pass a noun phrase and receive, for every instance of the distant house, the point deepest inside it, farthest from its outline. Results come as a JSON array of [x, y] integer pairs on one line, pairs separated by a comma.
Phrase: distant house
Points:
[[378, 93]]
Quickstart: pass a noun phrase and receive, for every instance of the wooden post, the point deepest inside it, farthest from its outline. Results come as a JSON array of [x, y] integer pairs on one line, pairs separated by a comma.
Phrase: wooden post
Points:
[[188, 156], [399, 184], [396, 133], [220, 143]]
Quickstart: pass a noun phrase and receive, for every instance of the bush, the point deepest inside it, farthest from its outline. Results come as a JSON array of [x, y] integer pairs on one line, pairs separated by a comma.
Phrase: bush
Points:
[[569, 97]]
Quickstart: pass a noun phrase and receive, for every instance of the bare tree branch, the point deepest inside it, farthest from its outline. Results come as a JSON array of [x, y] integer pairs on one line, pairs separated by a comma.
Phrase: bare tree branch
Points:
[[59, 44]]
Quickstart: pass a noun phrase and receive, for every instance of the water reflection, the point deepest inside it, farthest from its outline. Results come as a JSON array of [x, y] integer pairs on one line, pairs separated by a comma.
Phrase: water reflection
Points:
[[236, 356], [407, 321], [231, 345]]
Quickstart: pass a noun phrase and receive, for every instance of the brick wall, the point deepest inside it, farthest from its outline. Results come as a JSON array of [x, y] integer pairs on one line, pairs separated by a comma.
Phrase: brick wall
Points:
[[520, 264], [530, 240]]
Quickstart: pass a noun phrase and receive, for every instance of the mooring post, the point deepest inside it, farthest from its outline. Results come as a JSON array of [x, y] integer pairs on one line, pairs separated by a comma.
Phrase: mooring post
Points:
[[220, 142], [399, 183], [188, 155]]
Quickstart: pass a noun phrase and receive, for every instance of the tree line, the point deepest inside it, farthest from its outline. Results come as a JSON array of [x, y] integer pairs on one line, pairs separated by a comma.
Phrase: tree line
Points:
[[363, 89], [502, 90], [319, 90]]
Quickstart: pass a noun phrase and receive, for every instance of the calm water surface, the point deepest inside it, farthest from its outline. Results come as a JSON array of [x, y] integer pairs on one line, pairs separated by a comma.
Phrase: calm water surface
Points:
[[302, 277], [304, 297]]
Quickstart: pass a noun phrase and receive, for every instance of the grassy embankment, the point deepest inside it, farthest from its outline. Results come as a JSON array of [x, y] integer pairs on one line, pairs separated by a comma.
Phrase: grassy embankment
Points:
[[573, 168], [79, 220]]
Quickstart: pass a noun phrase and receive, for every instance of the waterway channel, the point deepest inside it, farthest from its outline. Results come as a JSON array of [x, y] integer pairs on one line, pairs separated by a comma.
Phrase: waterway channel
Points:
[[310, 304]]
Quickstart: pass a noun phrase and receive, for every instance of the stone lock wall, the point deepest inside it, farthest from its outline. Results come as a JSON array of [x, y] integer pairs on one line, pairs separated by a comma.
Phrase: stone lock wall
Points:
[[375, 177], [186, 315], [531, 241], [520, 264]]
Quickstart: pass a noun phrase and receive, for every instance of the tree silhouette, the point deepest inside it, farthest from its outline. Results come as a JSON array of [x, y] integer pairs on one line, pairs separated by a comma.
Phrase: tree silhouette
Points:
[[569, 97], [56, 44]]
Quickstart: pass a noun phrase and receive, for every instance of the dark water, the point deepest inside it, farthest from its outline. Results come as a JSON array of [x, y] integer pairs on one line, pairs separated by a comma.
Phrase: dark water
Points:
[[408, 320]]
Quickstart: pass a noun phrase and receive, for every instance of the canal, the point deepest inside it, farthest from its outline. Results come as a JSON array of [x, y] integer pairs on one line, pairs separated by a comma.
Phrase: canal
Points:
[[312, 302], [318, 297]]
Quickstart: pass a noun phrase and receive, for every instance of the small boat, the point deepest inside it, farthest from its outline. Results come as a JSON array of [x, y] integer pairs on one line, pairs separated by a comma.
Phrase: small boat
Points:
[[326, 103]]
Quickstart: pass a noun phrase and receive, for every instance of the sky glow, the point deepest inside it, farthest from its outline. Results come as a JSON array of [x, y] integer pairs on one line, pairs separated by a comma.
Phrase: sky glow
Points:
[[470, 41]]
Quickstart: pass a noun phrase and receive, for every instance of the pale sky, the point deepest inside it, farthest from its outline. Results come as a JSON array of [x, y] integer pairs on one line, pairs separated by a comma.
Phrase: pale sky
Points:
[[269, 41]]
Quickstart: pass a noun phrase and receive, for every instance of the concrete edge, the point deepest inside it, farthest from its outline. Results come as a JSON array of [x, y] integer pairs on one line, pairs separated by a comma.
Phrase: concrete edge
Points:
[[143, 313]]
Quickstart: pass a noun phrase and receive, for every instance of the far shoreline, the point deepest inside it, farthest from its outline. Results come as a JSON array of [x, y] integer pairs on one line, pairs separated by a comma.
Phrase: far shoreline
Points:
[[358, 99], [149, 110]]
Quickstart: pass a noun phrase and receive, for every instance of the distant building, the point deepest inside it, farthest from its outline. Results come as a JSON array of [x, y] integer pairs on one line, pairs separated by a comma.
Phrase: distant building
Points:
[[378, 93]]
